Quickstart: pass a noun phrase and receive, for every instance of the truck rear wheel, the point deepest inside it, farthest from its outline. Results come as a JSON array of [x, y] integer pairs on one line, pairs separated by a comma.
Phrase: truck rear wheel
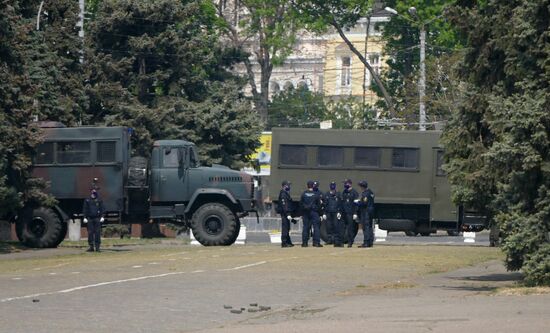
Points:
[[40, 228], [214, 224]]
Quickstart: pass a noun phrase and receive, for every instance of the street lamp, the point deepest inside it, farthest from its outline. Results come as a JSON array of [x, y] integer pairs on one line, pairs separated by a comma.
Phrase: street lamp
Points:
[[422, 79]]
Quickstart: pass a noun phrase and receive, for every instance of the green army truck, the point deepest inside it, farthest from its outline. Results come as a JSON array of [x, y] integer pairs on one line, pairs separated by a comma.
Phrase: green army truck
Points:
[[169, 186], [403, 168]]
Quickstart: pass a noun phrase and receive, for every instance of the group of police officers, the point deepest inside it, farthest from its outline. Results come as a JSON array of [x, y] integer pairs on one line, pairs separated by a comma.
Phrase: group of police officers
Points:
[[340, 210]]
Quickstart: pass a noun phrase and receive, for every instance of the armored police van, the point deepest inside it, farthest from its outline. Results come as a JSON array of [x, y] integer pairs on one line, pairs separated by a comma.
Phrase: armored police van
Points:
[[170, 186], [403, 168]]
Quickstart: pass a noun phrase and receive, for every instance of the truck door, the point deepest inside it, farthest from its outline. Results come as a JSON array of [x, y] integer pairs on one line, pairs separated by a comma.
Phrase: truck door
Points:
[[172, 186], [441, 206]]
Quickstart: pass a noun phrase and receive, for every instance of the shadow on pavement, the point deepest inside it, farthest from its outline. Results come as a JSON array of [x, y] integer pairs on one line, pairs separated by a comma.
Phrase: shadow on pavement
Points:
[[11, 247], [496, 277]]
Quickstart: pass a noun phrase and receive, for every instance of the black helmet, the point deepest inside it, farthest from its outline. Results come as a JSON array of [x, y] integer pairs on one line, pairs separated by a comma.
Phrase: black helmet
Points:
[[364, 184], [285, 183], [310, 184], [347, 181]]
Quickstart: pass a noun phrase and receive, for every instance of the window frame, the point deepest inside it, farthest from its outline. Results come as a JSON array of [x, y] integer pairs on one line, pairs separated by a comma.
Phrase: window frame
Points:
[[54, 154], [318, 157], [378, 166], [62, 142], [281, 162], [97, 143], [439, 172], [172, 150], [415, 168]]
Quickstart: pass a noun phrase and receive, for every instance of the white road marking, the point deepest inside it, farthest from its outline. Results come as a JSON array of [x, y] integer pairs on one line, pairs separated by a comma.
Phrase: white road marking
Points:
[[241, 267], [172, 259], [153, 263], [52, 273], [17, 278], [48, 267], [172, 254], [101, 284], [215, 256], [137, 266], [198, 271], [75, 272]]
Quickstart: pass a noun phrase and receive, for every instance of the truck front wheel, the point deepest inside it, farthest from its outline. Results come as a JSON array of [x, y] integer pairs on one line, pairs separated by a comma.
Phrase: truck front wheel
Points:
[[214, 224], [40, 228]]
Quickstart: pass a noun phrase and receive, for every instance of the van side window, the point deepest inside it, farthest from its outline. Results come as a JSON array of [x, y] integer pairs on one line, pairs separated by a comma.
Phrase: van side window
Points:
[[44, 153], [330, 156], [170, 158], [367, 157], [106, 151], [75, 152], [439, 164], [292, 155], [404, 158]]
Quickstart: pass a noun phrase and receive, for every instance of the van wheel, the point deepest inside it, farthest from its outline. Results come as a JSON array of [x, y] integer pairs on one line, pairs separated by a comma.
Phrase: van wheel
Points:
[[214, 224], [424, 234], [411, 233], [40, 228], [354, 229], [453, 232], [324, 231]]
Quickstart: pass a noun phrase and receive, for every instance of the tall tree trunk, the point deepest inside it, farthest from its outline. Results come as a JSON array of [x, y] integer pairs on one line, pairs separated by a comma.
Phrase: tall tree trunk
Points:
[[142, 86]]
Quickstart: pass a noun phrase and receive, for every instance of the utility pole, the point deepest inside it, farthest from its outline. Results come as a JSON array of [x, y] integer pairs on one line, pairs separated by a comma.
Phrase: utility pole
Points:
[[422, 79]]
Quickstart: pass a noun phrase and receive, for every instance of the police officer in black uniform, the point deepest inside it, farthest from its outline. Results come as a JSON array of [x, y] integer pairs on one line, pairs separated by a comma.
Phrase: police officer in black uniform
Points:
[[349, 210], [93, 212], [333, 207], [311, 204], [366, 213], [285, 209]]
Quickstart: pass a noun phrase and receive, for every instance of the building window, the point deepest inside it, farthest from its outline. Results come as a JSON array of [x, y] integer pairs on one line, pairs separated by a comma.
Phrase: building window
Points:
[[75, 152], [439, 164], [170, 158], [106, 151], [374, 62], [292, 155], [330, 156], [44, 153], [404, 158], [367, 157], [345, 74]]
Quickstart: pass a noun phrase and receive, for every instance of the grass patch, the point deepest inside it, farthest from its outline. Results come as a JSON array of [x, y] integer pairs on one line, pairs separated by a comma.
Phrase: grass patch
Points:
[[521, 291], [11, 247], [111, 242]]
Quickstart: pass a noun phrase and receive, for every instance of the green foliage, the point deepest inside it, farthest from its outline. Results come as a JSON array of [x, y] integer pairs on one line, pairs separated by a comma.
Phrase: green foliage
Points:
[[319, 15], [268, 32], [159, 68], [296, 108], [402, 39], [17, 187], [498, 141]]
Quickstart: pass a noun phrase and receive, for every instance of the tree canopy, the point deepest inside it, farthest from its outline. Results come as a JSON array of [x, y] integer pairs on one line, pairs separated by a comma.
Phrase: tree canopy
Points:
[[158, 67], [498, 139]]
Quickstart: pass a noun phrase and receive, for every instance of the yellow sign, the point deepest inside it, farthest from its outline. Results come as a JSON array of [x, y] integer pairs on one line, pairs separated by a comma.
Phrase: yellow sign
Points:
[[263, 155]]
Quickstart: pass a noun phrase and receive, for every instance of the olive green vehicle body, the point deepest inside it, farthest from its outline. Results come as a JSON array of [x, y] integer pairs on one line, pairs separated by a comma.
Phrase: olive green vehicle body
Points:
[[402, 168], [172, 187]]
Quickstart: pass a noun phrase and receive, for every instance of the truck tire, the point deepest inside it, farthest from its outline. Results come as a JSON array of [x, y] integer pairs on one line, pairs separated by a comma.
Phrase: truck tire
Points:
[[411, 233], [425, 234], [40, 228], [214, 224], [232, 240], [138, 171], [453, 232]]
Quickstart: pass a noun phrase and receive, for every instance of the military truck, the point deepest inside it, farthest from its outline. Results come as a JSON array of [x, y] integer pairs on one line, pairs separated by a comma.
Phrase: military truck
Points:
[[403, 168], [169, 186]]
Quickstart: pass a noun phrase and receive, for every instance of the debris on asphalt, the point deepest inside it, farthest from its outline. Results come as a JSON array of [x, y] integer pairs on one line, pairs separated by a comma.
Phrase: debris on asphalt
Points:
[[265, 308], [252, 310], [253, 304], [35, 300], [236, 311], [227, 307]]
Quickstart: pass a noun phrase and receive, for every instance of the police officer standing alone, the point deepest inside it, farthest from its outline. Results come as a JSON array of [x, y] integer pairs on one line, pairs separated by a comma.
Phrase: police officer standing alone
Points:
[[285, 209], [333, 206], [349, 195], [93, 212], [311, 204], [366, 212]]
